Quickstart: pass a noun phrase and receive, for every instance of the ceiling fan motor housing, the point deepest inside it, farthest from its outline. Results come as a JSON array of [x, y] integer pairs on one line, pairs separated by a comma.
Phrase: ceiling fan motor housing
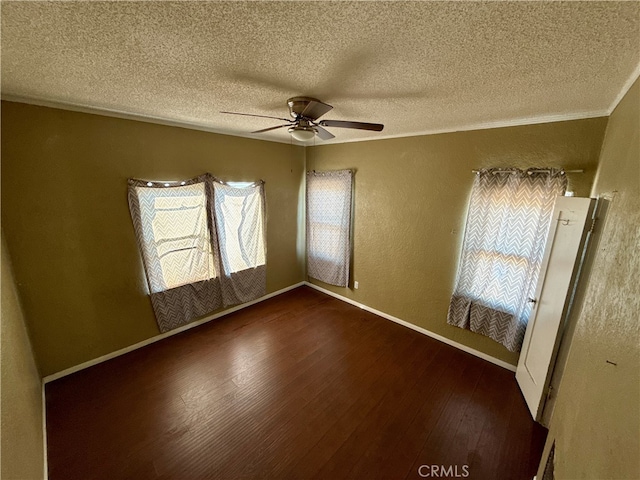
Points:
[[298, 104]]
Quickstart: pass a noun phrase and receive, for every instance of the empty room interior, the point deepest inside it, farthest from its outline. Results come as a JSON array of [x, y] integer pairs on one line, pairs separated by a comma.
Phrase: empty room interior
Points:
[[332, 240]]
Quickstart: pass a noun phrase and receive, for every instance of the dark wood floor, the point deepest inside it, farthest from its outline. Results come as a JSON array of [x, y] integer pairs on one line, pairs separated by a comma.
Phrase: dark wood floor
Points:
[[298, 386]]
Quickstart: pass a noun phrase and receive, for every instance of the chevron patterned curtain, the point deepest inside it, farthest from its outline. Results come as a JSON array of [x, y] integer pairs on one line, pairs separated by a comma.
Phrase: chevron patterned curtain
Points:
[[172, 222], [241, 228], [507, 225], [329, 226]]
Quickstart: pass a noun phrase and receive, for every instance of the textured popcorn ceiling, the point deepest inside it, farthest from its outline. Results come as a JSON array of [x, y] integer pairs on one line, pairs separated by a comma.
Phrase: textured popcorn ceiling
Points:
[[417, 67]]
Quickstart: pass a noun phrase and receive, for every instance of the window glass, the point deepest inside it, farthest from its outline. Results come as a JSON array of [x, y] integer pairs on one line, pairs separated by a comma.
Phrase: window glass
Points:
[[177, 242], [329, 226], [240, 226]]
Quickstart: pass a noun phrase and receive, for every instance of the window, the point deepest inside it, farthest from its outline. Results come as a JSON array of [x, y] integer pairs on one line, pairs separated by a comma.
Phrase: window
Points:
[[507, 224], [186, 231], [240, 225], [176, 237], [329, 226]]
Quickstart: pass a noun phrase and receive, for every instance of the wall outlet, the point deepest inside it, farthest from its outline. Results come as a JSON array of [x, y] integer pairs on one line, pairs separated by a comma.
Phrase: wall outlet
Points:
[[355, 285]]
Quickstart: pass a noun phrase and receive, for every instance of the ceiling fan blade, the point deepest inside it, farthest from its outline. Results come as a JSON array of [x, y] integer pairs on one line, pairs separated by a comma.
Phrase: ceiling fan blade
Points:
[[271, 128], [261, 116], [315, 110], [324, 134], [376, 127]]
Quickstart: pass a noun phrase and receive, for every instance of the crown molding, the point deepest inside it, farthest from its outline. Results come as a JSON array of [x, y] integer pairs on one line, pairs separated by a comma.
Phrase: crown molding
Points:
[[138, 117], [635, 74], [517, 122], [83, 108]]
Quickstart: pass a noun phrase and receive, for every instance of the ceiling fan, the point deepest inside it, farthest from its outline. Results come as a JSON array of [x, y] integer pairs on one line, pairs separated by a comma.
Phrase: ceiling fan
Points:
[[304, 124]]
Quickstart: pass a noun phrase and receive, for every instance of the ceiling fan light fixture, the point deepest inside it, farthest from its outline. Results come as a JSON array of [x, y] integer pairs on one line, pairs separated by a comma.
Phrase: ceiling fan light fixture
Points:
[[302, 134]]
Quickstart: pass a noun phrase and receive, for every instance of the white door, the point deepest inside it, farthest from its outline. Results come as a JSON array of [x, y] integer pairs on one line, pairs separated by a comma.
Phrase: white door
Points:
[[541, 339]]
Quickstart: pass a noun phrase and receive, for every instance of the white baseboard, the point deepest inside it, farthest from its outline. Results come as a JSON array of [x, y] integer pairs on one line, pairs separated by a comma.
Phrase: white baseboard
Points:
[[424, 331], [148, 341], [122, 351], [117, 353]]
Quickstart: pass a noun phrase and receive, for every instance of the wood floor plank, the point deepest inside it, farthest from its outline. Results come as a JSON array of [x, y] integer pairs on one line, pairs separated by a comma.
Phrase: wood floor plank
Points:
[[432, 393], [388, 453], [483, 417], [300, 382], [256, 399], [392, 417], [369, 390], [327, 389], [331, 401], [520, 427], [449, 406], [298, 386], [364, 434]]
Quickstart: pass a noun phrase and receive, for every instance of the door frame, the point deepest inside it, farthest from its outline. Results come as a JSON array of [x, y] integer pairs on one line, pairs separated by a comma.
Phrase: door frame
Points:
[[523, 376]]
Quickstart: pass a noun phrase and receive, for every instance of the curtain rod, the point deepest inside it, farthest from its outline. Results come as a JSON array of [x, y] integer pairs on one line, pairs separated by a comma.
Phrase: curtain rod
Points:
[[537, 170]]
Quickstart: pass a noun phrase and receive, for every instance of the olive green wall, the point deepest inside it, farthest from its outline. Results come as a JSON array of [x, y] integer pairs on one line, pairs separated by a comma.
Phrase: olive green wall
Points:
[[70, 237], [69, 232], [411, 197], [22, 448], [596, 420]]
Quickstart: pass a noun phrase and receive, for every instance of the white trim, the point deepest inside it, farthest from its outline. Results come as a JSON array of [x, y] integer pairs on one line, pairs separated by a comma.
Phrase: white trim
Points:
[[108, 112], [625, 89], [138, 117], [44, 434], [424, 331], [148, 341], [516, 122]]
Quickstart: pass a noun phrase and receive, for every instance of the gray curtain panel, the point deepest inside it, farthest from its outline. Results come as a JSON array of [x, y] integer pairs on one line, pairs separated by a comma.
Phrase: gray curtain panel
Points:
[[173, 225], [240, 215], [507, 225], [329, 226]]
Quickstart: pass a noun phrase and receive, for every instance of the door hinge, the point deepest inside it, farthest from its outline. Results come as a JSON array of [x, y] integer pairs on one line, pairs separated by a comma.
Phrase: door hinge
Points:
[[549, 393], [593, 224]]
